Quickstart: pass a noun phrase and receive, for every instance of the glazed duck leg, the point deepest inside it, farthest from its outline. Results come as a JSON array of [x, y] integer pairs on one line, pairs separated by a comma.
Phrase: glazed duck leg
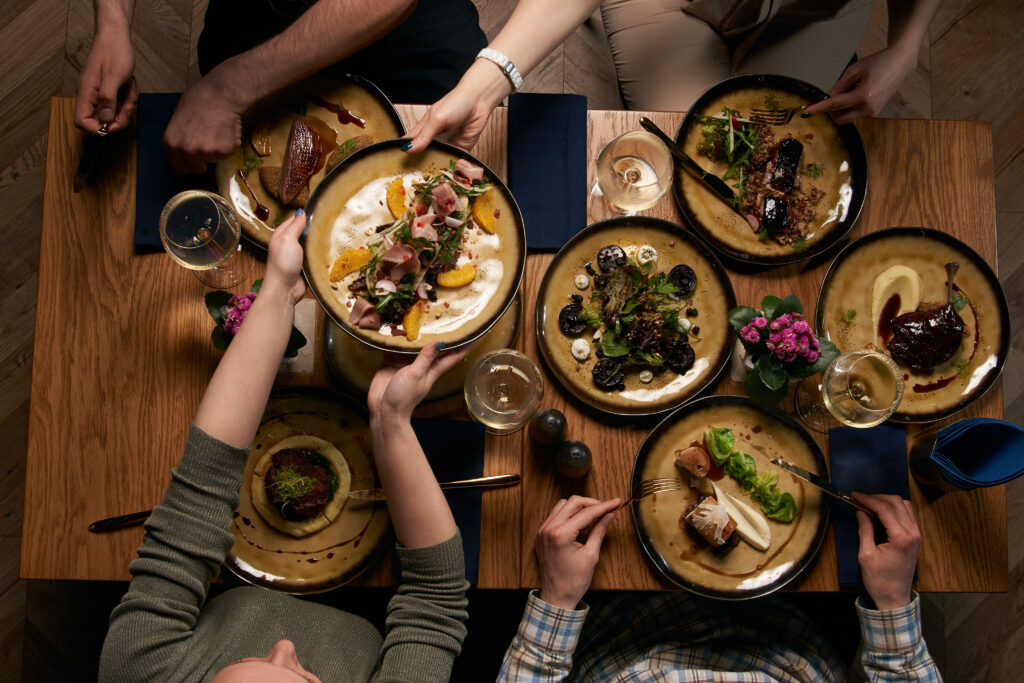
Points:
[[930, 335]]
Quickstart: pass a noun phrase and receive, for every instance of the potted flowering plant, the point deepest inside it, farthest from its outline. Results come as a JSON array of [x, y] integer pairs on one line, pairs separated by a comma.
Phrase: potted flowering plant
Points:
[[781, 346], [228, 310]]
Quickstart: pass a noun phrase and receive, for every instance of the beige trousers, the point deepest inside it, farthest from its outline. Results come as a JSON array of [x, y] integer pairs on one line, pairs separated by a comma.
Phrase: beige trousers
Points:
[[665, 57]]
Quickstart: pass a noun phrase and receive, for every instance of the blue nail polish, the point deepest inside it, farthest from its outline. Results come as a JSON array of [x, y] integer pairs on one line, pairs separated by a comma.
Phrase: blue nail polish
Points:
[[300, 212], [806, 115], [439, 345], [407, 146]]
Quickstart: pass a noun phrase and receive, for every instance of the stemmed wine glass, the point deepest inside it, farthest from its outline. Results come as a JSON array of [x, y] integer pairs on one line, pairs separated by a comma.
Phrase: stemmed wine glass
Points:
[[201, 231], [633, 172], [858, 389], [503, 390]]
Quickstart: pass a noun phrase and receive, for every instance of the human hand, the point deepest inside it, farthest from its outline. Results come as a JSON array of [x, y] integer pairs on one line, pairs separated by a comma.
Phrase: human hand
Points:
[[399, 386], [567, 565], [206, 126], [460, 116], [284, 259], [107, 92], [888, 569], [866, 85]]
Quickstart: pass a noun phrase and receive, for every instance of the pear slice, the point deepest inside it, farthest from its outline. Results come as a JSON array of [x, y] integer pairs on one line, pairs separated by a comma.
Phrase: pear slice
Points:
[[901, 281], [750, 524]]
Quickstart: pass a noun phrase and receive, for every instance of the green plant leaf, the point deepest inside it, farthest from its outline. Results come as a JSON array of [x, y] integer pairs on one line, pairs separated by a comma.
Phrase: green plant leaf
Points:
[[772, 371], [758, 391], [829, 352], [256, 286], [741, 316], [768, 306], [220, 338], [959, 302], [791, 304], [216, 302], [612, 346]]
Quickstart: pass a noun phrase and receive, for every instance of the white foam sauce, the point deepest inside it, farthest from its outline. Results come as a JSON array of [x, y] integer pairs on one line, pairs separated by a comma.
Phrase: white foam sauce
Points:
[[355, 227]]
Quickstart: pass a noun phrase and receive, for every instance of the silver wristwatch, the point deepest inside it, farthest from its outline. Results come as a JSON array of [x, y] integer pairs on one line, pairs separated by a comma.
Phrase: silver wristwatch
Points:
[[505, 64]]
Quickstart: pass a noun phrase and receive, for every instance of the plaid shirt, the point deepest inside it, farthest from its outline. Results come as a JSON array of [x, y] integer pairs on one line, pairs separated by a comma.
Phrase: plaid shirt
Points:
[[675, 637]]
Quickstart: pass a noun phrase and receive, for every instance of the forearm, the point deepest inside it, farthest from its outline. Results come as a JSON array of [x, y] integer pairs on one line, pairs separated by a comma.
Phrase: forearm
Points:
[[419, 511], [237, 393], [543, 646], [114, 15], [327, 32], [893, 644], [908, 22]]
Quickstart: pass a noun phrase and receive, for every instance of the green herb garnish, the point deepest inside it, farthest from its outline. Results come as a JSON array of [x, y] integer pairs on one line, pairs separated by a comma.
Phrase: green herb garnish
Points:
[[799, 246], [959, 302], [771, 102], [762, 235], [278, 221], [251, 162], [848, 317], [289, 486], [962, 367], [814, 170]]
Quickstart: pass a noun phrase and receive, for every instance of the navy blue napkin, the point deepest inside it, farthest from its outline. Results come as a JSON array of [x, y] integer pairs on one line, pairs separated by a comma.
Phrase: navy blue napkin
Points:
[[979, 452], [155, 180], [455, 450], [547, 165], [870, 461]]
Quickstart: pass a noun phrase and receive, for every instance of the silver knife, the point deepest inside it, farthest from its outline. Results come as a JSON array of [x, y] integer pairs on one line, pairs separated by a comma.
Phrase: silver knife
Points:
[[90, 153], [823, 484], [495, 481], [709, 180]]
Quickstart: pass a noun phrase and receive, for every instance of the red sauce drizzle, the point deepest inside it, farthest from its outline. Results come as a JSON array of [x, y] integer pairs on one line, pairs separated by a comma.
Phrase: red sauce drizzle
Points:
[[353, 540], [756, 429], [262, 212], [933, 386], [892, 306], [344, 115]]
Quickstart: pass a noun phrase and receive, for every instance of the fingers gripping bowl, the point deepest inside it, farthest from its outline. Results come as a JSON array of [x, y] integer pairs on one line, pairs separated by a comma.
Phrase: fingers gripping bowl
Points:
[[404, 250]]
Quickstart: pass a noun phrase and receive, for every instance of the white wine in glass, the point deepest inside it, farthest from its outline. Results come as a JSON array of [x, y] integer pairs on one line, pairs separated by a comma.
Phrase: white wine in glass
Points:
[[503, 390], [859, 389], [634, 171], [201, 232]]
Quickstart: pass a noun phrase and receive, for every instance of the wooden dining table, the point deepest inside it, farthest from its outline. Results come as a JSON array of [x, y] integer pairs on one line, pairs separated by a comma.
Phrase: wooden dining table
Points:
[[122, 354]]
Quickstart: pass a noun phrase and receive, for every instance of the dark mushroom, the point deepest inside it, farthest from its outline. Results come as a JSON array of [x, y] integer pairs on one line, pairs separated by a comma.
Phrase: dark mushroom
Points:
[[607, 374], [611, 258], [570, 320], [681, 357], [685, 280]]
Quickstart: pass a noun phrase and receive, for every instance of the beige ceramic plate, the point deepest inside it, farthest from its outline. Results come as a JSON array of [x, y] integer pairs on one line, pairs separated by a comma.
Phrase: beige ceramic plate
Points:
[[838, 150], [955, 384], [713, 298], [745, 572], [359, 96], [342, 551], [355, 363], [349, 204]]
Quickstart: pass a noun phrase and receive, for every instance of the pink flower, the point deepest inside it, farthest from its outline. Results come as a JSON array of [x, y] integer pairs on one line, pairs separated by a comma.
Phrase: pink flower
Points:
[[237, 308], [752, 336], [760, 322], [801, 327]]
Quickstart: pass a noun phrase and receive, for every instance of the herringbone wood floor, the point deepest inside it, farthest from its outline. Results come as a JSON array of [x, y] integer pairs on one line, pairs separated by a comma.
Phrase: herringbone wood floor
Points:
[[969, 69]]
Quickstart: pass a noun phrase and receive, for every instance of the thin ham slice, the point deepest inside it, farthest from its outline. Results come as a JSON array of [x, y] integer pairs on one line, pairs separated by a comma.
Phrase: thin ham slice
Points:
[[471, 172], [364, 315], [399, 253], [404, 268], [443, 199], [422, 226]]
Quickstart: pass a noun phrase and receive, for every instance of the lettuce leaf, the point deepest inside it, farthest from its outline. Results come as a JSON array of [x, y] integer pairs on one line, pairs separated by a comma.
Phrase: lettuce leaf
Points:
[[784, 509], [719, 443], [742, 468]]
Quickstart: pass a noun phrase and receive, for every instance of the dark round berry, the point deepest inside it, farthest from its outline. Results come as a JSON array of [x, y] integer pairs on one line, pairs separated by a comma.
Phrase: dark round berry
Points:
[[611, 258], [684, 279], [576, 299], [681, 357], [691, 312], [589, 268], [696, 330], [570, 320], [607, 374]]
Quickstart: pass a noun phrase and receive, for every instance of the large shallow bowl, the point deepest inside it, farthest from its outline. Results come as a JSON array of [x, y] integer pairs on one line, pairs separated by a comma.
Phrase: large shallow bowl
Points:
[[762, 432], [728, 233], [473, 309], [973, 370], [358, 95], [713, 298], [354, 541]]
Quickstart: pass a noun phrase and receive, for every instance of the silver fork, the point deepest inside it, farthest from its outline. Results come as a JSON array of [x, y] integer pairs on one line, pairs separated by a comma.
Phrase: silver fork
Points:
[[776, 117], [651, 486]]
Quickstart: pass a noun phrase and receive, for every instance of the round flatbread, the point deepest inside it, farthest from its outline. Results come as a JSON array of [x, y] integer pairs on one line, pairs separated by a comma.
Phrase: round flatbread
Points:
[[269, 512]]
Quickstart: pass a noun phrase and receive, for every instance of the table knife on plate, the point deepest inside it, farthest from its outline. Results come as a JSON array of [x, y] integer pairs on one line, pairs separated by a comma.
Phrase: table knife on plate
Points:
[[822, 483], [91, 152], [492, 482]]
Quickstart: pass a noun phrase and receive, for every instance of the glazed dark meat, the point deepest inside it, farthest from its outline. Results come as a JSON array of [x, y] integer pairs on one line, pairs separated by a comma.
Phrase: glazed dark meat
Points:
[[786, 165], [776, 216], [925, 338], [314, 501]]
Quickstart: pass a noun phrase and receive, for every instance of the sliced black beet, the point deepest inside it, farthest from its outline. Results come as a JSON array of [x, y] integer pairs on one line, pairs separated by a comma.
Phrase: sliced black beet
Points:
[[685, 280], [607, 374], [681, 357], [570, 320], [787, 165], [775, 217], [611, 258]]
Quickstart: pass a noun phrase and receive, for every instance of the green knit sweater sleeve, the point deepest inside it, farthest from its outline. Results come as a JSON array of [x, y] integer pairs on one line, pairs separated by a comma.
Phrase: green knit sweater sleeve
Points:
[[426, 618], [187, 538]]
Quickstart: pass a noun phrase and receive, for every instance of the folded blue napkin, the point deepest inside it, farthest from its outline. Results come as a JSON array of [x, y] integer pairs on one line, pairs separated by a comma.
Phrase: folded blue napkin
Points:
[[979, 451], [547, 165], [455, 450], [870, 461], [155, 181]]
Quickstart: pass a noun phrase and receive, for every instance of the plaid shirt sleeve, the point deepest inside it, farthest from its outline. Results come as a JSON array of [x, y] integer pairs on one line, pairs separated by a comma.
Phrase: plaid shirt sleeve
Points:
[[541, 651], [894, 647]]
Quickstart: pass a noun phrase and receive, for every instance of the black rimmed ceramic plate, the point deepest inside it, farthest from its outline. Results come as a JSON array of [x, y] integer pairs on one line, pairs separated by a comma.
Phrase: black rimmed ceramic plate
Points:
[[849, 315], [373, 115], [745, 572], [357, 537], [711, 300], [350, 203], [833, 164]]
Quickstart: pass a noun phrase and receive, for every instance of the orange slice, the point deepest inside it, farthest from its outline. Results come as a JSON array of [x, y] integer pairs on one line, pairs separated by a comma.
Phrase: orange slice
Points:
[[483, 212], [458, 277], [412, 320], [351, 260], [396, 197]]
